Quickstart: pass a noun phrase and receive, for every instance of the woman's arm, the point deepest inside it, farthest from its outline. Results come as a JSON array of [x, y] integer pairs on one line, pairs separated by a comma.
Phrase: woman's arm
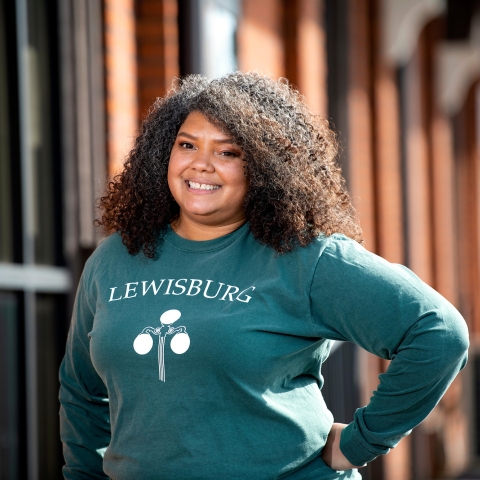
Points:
[[387, 310], [331, 453], [84, 410]]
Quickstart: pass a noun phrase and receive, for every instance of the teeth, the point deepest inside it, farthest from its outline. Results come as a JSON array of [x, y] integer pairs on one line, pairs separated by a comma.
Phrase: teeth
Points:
[[202, 186]]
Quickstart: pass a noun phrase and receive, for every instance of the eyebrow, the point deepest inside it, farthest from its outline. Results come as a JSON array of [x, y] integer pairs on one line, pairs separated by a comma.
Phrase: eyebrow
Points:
[[217, 140]]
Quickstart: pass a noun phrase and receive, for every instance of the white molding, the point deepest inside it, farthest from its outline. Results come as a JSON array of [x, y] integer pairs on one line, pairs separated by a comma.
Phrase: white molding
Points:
[[36, 278], [402, 23], [458, 69]]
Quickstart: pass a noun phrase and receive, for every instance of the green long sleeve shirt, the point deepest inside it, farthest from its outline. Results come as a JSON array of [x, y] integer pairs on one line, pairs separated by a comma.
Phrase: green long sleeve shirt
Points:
[[205, 363]]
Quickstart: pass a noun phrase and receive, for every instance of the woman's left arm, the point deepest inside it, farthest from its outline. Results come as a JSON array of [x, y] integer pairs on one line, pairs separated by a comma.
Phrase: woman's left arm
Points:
[[384, 308]]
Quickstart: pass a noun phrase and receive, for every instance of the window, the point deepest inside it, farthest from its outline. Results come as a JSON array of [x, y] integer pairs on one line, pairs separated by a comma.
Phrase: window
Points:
[[34, 283], [207, 31]]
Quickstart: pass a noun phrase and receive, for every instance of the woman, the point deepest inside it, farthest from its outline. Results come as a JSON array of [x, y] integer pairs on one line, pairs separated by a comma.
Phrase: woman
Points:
[[236, 261]]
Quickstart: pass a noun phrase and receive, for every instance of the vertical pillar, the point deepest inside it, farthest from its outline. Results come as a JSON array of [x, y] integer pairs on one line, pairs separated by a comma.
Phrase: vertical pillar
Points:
[[306, 52], [468, 190], [171, 66], [260, 37], [27, 144], [444, 202], [417, 177], [388, 171], [360, 149], [442, 173], [121, 80], [157, 50]]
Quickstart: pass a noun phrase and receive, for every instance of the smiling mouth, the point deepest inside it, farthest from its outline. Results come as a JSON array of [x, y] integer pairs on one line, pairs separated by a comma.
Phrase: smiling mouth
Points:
[[202, 186]]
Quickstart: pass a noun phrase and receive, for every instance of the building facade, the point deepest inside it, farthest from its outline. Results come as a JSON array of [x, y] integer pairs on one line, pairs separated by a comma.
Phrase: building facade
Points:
[[399, 81]]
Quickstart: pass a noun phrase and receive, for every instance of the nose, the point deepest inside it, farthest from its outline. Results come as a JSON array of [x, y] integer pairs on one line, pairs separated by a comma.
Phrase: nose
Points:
[[203, 161]]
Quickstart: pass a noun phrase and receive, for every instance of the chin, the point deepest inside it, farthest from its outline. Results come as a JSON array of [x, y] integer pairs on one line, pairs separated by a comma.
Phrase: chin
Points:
[[201, 216], [201, 210]]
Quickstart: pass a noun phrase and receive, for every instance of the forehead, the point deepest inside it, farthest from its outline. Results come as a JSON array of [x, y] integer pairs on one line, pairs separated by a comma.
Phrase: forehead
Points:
[[199, 123]]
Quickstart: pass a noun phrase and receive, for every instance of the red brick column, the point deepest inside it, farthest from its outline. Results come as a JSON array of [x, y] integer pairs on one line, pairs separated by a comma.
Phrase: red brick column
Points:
[[305, 51], [468, 195], [260, 37], [439, 130], [121, 80], [360, 135], [388, 172], [157, 49], [418, 181]]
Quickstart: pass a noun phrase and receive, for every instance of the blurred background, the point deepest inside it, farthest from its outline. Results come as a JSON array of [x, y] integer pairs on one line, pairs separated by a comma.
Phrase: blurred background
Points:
[[397, 79]]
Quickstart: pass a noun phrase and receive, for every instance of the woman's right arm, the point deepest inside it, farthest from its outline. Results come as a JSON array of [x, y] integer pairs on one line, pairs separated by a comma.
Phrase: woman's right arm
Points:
[[84, 408]]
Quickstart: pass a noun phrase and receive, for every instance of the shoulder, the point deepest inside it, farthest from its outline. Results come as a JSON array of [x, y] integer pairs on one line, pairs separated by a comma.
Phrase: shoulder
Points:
[[341, 249], [351, 267], [110, 245], [110, 250], [337, 247]]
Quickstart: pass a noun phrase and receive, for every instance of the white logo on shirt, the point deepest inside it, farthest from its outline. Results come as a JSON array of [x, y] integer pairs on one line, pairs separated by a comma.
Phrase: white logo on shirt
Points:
[[179, 343]]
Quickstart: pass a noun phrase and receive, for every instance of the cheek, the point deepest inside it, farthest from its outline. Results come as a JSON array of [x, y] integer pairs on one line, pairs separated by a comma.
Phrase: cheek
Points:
[[237, 177], [176, 166], [242, 181], [173, 175], [170, 172]]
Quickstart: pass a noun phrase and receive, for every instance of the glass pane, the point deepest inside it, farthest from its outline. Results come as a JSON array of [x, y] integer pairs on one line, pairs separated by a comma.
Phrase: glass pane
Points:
[[43, 122], [220, 28], [51, 338], [12, 399]]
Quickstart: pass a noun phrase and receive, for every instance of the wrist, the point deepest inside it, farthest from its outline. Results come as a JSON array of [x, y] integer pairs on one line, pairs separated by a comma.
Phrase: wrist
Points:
[[353, 449]]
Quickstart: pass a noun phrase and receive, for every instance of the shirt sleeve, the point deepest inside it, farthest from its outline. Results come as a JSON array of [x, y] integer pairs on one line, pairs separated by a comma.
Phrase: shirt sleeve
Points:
[[84, 407], [384, 308]]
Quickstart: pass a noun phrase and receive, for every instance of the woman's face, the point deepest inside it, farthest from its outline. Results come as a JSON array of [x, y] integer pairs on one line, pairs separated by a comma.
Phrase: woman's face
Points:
[[206, 174]]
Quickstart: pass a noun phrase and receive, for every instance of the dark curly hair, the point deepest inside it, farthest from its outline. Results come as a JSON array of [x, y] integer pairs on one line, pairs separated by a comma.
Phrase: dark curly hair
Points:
[[296, 191]]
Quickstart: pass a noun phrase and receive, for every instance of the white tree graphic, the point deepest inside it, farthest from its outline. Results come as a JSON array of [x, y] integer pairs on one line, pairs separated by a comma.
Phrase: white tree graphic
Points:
[[179, 343]]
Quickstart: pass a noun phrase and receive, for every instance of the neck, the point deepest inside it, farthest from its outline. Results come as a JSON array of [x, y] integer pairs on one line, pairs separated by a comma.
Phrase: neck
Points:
[[192, 230]]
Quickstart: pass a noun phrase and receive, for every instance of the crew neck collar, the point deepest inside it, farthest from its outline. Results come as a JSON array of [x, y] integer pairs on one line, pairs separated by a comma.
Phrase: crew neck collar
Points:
[[204, 245]]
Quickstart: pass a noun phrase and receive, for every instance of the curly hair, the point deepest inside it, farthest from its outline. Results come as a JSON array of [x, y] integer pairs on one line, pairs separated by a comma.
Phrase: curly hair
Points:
[[296, 191]]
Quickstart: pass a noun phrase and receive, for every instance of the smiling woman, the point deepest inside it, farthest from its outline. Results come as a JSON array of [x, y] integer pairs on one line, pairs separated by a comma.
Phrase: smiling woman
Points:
[[295, 188], [206, 177], [236, 251]]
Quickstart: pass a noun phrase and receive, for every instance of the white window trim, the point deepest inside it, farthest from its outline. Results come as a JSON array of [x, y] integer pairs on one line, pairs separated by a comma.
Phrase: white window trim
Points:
[[36, 278]]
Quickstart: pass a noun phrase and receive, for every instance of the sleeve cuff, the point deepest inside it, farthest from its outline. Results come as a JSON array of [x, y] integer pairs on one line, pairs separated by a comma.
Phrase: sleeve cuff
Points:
[[355, 447]]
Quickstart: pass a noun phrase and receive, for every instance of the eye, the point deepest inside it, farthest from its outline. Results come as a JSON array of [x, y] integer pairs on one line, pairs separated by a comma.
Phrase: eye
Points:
[[186, 145], [230, 153]]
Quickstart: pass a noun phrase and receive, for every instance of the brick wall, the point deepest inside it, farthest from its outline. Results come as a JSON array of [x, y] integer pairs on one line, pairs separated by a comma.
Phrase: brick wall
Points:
[[360, 128], [141, 61], [121, 80], [260, 37], [287, 38], [467, 214], [386, 148], [157, 49], [305, 51]]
